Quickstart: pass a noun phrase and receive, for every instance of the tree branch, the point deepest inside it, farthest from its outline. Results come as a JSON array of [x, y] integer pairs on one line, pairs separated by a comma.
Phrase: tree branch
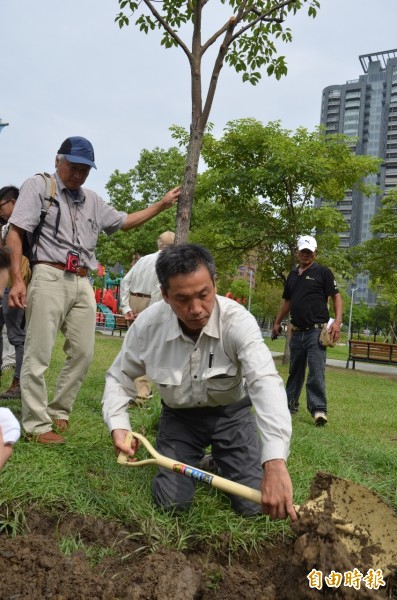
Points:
[[261, 17], [223, 29], [216, 70], [168, 29]]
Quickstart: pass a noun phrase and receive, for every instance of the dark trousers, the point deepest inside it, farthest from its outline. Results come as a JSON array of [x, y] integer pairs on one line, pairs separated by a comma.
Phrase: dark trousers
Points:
[[184, 435], [14, 320], [306, 351]]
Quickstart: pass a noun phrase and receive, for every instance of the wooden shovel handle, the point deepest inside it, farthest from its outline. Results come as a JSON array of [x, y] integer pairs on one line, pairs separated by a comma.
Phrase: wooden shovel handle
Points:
[[230, 487]]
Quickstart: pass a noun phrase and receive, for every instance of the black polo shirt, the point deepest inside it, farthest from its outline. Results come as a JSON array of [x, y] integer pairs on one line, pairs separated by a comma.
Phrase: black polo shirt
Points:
[[308, 294]]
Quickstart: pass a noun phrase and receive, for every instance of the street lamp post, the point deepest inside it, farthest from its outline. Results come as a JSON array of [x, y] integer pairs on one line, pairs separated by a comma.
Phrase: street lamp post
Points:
[[350, 315]]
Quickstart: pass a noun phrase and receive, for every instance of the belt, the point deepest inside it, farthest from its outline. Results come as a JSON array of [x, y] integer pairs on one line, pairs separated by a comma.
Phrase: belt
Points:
[[80, 271], [315, 326], [138, 295]]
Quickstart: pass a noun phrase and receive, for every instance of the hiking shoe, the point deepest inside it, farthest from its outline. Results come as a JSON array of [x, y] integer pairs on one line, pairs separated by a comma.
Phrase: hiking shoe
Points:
[[61, 424], [14, 391], [320, 418], [207, 463]]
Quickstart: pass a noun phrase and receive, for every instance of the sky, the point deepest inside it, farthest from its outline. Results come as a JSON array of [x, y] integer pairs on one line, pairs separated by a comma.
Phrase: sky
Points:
[[67, 69]]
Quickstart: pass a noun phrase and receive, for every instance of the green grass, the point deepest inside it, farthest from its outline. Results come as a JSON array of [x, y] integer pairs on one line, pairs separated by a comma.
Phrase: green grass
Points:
[[83, 477]]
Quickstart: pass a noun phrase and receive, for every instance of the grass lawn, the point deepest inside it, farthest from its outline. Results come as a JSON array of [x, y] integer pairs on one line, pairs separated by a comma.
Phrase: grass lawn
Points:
[[359, 443]]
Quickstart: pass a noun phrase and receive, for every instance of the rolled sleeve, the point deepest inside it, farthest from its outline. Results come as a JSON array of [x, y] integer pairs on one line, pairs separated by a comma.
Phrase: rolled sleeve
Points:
[[266, 390], [26, 213], [119, 384]]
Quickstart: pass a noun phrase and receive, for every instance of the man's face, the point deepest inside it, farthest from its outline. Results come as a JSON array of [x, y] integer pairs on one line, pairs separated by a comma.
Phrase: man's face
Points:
[[306, 257], [192, 298], [73, 175], [6, 208]]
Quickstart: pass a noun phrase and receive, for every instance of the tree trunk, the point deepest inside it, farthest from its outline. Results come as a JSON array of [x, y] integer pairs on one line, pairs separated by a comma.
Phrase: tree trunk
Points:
[[189, 185]]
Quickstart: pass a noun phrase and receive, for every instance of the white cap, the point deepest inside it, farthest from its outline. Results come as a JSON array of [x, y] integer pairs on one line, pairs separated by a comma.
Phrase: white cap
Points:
[[307, 242]]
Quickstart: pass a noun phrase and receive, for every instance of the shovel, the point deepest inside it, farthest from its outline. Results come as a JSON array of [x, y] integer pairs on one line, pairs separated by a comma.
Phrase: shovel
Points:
[[340, 509]]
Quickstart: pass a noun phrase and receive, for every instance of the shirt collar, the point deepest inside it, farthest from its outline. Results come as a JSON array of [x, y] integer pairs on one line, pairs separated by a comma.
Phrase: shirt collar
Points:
[[312, 266]]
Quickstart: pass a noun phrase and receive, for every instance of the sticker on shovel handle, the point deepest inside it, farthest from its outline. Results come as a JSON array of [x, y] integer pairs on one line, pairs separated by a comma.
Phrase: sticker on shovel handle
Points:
[[192, 473]]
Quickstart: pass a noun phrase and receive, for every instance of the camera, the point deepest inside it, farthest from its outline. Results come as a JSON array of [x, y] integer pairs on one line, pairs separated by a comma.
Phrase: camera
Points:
[[72, 261]]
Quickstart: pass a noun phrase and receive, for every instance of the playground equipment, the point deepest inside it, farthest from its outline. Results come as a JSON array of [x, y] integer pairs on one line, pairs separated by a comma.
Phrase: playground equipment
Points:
[[107, 300]]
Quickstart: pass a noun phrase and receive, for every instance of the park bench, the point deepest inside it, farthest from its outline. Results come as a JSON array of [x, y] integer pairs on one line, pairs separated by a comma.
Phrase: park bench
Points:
[[372, 352], [120, 324]]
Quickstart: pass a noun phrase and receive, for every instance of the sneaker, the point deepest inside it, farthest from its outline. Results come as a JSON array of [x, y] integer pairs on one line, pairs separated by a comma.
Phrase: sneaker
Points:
[[207, 463], [14, 390], [320, 418]]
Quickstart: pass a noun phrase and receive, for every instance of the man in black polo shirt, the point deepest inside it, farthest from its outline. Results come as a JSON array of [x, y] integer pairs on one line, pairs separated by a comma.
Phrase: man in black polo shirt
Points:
[[306, 294]]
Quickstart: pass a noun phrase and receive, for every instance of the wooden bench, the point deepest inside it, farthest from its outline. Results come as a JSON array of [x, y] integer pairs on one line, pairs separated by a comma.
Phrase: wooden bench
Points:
[[120, 324], [372, 352]]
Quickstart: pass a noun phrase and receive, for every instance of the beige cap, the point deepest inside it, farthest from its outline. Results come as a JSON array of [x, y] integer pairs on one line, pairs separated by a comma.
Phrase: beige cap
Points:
[[167, 238]]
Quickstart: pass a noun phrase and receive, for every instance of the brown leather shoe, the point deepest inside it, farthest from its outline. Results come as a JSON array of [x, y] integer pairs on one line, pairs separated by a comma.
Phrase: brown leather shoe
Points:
[[50, 437], [14, 390], [61, 424]]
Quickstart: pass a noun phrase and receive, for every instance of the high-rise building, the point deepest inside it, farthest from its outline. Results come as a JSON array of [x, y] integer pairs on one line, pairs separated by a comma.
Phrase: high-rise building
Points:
[[366, 109]]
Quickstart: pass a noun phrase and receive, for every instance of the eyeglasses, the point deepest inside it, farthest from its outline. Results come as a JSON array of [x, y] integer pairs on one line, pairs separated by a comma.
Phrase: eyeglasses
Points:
[[4, 203]]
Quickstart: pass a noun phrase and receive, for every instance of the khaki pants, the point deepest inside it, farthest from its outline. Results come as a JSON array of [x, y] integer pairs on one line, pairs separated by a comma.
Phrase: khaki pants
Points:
[[57, 301], [143, 384]]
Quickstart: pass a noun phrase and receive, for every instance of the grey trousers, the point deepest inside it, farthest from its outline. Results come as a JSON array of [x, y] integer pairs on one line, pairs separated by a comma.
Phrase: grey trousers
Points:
[[185, 433]]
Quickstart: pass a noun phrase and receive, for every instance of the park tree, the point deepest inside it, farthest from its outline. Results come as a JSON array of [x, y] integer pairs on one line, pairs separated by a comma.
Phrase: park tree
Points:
[[378, 256], [379, 319], [245, 40]]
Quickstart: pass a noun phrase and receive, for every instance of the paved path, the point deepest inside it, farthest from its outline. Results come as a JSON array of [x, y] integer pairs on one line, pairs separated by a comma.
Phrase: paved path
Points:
[[360, 366]]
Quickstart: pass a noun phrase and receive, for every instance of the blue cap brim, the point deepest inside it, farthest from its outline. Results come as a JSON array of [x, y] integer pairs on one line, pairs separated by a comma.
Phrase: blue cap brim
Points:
[[79, 159]]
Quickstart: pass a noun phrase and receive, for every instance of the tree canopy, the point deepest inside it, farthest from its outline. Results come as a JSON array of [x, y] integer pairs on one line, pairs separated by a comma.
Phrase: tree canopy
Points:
[[245, 40], [262, 181]]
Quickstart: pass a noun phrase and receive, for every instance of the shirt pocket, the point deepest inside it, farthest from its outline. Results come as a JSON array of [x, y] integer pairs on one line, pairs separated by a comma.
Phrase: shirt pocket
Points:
[[89, 232], [224, 388], [169, 383]]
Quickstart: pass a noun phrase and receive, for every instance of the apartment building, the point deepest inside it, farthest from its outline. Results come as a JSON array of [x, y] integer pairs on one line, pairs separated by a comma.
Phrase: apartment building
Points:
[[365, 109]]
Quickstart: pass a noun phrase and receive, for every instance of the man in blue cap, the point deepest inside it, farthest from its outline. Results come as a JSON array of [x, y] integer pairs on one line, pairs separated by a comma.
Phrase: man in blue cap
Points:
[[64, 233]]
